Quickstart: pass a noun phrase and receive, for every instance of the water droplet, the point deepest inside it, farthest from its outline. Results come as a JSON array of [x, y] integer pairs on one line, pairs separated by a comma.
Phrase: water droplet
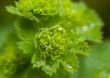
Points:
[[43, 47], [60, 29], [48, 66], [69, 66]]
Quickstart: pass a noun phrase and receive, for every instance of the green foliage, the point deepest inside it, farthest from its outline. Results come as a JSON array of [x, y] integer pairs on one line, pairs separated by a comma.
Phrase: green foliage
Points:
[[97, 64], [51, 33]]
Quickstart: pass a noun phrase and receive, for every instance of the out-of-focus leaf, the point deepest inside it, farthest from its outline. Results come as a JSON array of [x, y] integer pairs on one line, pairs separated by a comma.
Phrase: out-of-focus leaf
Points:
[[97, 64]]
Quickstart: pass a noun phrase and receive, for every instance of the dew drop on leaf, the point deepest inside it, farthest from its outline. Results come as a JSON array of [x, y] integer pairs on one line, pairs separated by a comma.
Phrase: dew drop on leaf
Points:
[[69, 66], [60, 29]]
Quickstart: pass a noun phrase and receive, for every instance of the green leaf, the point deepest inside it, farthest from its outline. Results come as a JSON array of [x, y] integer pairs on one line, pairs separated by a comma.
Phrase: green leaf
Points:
[[26, 46], [13, 10], [37, 61], [52, 46], [97, 64], [81, 49], [25, 29], [70, 62], [51, 67], [55, 32]]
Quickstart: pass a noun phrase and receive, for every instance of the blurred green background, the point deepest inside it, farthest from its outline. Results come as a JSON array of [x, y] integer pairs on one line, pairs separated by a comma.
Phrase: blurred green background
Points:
[[97, 65]]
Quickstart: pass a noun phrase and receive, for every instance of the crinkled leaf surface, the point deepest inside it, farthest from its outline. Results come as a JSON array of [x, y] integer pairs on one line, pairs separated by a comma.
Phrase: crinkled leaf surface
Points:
[[55, 32]]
